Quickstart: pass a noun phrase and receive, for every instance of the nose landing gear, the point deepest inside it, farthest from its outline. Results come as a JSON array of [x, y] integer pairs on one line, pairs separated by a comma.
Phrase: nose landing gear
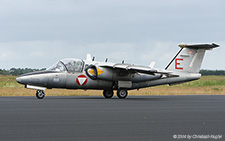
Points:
[[40, 94]]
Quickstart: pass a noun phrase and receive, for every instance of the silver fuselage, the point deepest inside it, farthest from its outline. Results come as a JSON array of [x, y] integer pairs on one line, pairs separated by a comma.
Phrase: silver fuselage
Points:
[[109, 79], [71, 73]]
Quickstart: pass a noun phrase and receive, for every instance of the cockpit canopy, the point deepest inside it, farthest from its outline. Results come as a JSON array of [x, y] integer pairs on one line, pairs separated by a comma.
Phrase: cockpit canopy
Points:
[[70, 65]]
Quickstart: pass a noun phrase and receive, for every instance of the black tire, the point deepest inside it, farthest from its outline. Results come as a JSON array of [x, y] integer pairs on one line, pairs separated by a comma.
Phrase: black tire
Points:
[[40, 94], [108, 93], [122, 93]]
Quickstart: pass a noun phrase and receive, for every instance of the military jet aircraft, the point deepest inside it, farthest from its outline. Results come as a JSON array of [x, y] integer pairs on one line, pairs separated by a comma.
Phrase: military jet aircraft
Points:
[[87, 74]]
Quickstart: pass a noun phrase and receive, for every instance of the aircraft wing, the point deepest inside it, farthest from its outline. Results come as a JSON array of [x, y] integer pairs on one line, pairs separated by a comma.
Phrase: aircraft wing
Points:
[[140, 69]]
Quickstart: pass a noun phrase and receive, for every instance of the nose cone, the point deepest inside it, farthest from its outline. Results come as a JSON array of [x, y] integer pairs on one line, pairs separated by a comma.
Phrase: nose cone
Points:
[[18, 79], [35, 78], [23, 80]]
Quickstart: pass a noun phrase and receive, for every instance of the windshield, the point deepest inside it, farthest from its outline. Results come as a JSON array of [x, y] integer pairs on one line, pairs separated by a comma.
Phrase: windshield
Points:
[[70, 65], [73, 65], [57, 67]]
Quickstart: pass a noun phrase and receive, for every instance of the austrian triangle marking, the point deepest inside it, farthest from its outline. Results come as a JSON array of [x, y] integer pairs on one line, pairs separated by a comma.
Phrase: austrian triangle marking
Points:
[[82, 80]]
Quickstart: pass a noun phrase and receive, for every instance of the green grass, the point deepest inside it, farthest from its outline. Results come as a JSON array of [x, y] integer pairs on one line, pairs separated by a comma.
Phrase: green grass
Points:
[[206, 81], [206, 85], [9, 82]]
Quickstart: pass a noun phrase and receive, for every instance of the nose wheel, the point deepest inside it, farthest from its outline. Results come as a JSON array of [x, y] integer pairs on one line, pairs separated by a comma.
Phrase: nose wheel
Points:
[[40, 94]]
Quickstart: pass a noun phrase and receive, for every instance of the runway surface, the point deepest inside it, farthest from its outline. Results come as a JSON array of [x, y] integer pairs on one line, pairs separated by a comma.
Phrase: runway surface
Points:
[[95, 118]]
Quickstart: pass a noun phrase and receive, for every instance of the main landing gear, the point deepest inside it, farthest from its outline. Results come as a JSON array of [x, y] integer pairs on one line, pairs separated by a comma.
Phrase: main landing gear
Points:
[[40, 94], [121, 93], [108, 93]]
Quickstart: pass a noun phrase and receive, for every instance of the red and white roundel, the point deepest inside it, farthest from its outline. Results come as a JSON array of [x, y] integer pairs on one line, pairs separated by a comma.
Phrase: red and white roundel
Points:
[[81, 80]]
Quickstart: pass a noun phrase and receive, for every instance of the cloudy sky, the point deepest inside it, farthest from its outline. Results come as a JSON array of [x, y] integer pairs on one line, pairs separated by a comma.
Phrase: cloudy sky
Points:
[[38, 33]]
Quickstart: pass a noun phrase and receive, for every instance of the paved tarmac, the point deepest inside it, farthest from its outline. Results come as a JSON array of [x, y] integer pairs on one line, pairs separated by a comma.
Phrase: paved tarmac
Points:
[[95, 118]]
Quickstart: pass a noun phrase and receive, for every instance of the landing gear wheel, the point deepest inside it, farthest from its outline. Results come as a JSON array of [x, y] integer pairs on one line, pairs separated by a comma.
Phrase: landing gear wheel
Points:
[[40, 94], [108, 93], [122, 93]]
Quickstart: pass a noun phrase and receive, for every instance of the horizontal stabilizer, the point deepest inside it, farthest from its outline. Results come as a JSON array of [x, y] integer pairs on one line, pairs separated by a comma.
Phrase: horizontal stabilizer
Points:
[[199, 46]]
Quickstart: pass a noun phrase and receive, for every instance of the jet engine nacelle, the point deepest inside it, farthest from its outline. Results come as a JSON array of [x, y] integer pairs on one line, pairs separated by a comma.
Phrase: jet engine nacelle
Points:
[[99, 73], [109, 74], [92, 72]]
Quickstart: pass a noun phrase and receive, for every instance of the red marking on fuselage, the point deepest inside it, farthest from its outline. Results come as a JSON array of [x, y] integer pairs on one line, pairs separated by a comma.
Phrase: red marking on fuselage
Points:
[[81, 80], [190, 52], [178, 64]]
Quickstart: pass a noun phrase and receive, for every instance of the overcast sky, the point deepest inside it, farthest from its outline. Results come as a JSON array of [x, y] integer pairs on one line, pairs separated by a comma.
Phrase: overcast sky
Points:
[[38, 33]]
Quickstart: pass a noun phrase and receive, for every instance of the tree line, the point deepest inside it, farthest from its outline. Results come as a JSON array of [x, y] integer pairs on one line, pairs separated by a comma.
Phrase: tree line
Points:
[[19, 71], [212, 72]]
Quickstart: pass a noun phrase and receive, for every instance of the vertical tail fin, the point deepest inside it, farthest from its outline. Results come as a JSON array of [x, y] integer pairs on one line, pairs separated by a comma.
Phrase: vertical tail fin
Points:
[[189, 58]]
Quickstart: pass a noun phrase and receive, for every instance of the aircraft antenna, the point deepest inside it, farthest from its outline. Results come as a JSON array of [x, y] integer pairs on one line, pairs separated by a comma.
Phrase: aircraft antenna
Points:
[[93, 59], [106, 60]]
